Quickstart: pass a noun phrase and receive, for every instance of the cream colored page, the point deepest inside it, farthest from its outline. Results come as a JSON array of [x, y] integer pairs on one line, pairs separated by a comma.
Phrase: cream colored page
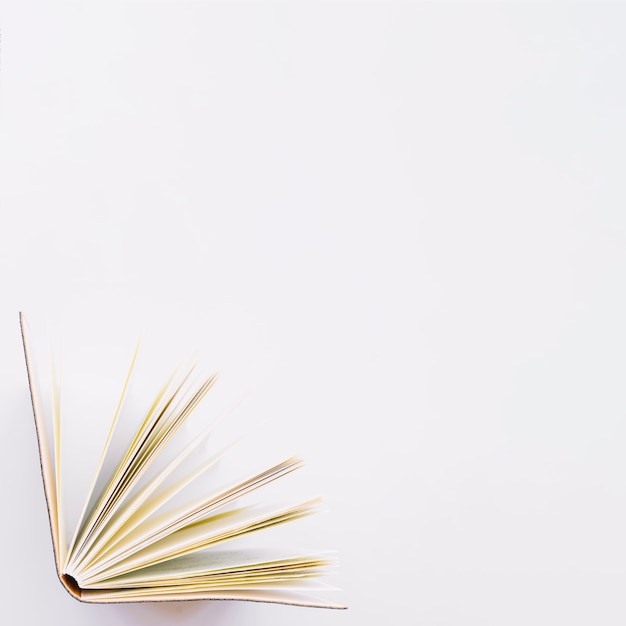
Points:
[[58, 471], [251, 595], [46, 457], [103, 486], [155, 434], [133, 513], [165, 417], [128, 513], [96, 484], [155, 529], [198, 536], [216, 563]]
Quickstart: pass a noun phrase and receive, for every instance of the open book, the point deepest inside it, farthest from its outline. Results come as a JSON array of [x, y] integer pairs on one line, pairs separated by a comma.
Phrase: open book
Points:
[[139, 539]]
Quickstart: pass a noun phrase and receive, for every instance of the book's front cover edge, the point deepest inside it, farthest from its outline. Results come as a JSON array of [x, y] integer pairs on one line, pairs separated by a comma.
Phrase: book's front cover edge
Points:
[[44, 456], [91, 598]]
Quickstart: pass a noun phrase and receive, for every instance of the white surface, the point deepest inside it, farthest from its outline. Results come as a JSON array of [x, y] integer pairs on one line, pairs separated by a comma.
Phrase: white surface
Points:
[[407, 218]]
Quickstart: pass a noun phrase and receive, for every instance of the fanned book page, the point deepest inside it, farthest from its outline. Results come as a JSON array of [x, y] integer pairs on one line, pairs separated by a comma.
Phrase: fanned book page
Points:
[[154, 526]]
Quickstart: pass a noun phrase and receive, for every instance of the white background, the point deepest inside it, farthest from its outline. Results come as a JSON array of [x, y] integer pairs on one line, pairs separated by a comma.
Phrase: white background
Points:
[[407, 219]]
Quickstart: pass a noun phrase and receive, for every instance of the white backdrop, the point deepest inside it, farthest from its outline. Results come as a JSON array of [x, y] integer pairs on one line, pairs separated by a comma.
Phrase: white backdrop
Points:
[[401, 226]]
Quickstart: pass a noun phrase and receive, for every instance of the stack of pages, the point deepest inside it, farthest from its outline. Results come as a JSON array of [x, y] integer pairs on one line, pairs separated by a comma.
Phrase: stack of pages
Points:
[[138, 538]]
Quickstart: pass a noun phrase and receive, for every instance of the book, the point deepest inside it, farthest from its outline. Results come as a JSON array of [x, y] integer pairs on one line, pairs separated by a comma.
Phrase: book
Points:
[[139, 539]]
